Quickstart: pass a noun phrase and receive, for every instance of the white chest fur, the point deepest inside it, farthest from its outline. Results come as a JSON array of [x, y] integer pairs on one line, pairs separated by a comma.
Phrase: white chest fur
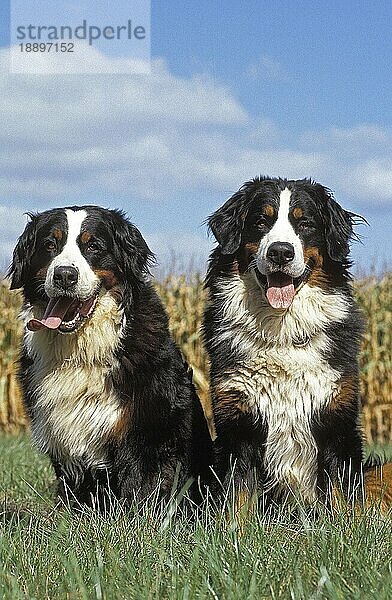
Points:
[[284, 377], [75, 406]]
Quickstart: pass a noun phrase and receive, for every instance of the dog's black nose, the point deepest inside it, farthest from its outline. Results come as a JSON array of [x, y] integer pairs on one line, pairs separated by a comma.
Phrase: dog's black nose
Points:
[[280, 253], [65, 277]]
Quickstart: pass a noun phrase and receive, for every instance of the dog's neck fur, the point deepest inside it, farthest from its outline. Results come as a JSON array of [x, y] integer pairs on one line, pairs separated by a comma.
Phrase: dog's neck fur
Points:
[[92, 344], [74, 406], [282, 371], [247, 312]]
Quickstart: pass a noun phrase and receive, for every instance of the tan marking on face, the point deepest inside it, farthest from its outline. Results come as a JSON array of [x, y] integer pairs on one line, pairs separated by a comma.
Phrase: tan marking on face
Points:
[[41, 274], [298, 212], [58, 234], [313, 253], [252, 247], [268, 210], [318, 277], [85, 237], [107, 277], [245, 254]]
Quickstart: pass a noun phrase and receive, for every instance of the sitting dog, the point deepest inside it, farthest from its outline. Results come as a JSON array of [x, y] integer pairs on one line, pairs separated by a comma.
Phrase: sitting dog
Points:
[[107, 392], [282, 331]]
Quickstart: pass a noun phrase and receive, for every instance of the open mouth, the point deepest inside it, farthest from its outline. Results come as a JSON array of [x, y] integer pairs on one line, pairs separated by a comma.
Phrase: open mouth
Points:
[[281, 288], [64, 314]]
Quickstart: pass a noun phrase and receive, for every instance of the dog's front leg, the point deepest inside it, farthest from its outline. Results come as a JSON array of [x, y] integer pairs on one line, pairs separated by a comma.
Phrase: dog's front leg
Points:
[[340, 456], [238, 452]]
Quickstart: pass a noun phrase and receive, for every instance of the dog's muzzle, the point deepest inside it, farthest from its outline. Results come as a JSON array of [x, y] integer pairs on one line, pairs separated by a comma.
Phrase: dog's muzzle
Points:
[[280, 288]]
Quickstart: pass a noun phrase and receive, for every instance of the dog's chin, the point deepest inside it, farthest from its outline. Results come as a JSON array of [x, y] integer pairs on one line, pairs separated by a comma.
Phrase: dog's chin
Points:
[[65, 314], [280, 288]]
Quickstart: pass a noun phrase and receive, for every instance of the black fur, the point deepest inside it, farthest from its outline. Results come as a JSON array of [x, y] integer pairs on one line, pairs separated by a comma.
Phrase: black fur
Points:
[[162, 437], [325, 230], [228, 221]]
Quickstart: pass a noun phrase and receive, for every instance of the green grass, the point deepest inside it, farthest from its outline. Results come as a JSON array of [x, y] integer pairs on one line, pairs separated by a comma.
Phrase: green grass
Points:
[[48, 553]]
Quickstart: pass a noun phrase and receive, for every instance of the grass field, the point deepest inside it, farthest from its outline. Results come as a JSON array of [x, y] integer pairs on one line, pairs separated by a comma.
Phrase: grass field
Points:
[[46, 553]]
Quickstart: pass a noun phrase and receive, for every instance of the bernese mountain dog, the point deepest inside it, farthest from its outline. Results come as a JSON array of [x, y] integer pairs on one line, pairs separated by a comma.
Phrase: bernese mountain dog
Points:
[[109, 397], [282, 331]]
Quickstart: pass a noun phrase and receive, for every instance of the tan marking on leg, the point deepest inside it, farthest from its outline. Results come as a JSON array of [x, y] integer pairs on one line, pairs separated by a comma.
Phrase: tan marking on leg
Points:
[[378, 487], [348, 389], [229, 405], [243, 507], [123, 423]]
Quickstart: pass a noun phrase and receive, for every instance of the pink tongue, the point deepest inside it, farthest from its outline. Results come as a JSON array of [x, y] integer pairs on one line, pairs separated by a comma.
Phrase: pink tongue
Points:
[[280, 292], [54, 314]]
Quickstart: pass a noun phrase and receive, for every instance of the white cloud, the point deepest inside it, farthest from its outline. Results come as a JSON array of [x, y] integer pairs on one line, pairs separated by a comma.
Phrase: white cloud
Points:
[[368, 133], [375, 178], [72, 139], [83, 60], [352, 143], [357, 160], [79, 136]]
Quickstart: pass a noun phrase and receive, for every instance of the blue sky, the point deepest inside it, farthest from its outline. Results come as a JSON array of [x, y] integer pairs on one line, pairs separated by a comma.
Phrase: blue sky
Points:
[[286, 88]]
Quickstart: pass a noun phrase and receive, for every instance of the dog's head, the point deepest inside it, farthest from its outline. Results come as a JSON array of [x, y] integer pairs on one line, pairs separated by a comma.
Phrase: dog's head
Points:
[[66, 258], [285, 231]]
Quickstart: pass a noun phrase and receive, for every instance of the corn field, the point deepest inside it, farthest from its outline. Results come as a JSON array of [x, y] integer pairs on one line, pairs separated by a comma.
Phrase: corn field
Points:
[[184, 299]]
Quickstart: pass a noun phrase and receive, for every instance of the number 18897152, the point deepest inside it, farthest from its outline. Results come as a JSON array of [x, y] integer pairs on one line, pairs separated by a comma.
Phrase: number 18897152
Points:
[[47, 47]]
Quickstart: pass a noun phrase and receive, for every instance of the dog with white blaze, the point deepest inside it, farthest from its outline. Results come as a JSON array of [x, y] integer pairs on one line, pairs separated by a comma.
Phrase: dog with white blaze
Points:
[[282, 331], [109, 397]]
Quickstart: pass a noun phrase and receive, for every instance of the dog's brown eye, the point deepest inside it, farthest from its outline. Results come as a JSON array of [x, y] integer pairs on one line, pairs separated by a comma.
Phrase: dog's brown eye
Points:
[[262, 222], [49, 245], [93, 247], [304, 224]]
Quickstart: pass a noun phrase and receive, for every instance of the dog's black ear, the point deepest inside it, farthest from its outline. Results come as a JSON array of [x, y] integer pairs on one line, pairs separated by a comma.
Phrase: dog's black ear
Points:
[[133, 256], [338, 224], [228, 221], [23, 253]]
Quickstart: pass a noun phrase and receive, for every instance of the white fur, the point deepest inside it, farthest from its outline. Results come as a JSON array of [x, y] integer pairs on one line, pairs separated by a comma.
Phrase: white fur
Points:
[[283, 374], [282, 231], [75, 406], [71, 256]]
